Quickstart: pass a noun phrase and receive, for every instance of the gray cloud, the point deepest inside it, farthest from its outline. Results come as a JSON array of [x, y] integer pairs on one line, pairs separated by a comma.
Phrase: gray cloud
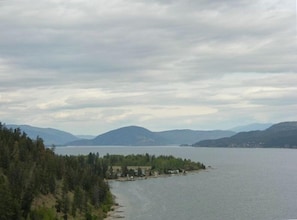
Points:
[[119, 61]]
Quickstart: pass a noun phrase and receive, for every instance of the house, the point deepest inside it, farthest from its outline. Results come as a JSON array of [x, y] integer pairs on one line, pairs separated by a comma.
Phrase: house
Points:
[[138, 171]]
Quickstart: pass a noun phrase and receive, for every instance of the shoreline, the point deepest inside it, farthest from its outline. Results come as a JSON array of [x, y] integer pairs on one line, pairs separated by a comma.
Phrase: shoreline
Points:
[[128, 179], [115, 213]]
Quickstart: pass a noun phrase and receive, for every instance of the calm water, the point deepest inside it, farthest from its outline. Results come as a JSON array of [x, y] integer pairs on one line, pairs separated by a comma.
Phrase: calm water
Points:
[[242, 184]]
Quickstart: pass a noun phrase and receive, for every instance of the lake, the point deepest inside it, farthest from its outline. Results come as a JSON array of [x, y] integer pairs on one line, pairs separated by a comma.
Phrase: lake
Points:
[[242, 184]]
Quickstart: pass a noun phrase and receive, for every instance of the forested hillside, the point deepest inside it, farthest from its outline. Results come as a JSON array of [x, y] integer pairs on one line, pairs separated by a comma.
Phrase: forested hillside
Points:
[[281, 135], [37, 184]]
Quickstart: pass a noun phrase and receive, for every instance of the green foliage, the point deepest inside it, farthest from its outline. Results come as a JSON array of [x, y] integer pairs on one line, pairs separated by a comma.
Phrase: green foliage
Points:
[[29, 171], [43, 213], [7, 205], [162, 164]]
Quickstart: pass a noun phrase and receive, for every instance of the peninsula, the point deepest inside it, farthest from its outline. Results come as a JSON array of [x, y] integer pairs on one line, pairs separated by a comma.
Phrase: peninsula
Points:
[[145, 165]]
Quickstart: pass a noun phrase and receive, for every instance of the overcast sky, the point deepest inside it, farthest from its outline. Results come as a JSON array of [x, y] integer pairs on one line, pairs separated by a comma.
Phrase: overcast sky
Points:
[[88, 66]]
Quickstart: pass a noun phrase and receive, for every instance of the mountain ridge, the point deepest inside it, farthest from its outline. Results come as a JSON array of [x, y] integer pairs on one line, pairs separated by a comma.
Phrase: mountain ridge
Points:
[[126, 136], [50, 136], [283, 134], [139, 136]]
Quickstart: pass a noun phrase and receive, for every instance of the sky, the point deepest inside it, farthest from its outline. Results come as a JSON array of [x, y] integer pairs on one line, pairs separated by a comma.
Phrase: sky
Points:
[[87, 67]]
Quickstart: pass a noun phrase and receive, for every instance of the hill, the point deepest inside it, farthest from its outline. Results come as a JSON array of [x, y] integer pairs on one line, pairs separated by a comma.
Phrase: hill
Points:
[[279, 135], [37, 184], [126, 136], [50, 136], [187, 136], [139, 136]]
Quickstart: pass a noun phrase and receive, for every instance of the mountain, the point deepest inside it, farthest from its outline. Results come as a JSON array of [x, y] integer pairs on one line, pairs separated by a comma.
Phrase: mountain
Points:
[[126, 136], [50, 136], [251, 127], [187, 136], [283, 134], [138, 136]]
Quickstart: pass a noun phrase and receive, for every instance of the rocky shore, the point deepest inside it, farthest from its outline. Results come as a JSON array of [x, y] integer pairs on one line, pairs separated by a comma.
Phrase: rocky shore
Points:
[[115, 213]]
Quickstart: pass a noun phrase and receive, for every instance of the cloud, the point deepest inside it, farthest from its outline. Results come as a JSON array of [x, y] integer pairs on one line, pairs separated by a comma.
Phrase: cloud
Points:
[[138, 37], [158, 63]]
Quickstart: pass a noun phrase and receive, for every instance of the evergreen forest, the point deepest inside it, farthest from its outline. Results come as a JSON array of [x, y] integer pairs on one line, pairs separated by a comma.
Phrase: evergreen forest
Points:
[[35, 183], [157, 165]]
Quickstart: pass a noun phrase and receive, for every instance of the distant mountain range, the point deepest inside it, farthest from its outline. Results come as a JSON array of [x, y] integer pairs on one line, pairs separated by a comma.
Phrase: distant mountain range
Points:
[[126, 136], [279, 135], [50, 136], [139, 136]]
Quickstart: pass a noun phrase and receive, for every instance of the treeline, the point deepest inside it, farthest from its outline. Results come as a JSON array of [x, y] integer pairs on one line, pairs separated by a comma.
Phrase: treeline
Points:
[[160, 164], [35, 183]]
